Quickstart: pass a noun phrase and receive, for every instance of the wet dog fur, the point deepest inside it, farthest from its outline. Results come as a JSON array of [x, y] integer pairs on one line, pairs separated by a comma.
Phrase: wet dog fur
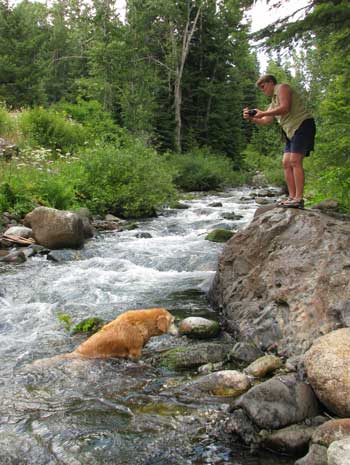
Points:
[[125, 336]]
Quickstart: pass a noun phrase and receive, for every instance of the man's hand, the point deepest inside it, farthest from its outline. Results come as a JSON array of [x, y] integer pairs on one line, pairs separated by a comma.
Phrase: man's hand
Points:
[[252, 118]]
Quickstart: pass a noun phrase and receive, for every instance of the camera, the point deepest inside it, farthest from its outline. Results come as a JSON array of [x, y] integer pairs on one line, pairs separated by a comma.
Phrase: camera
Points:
[[252, 112]]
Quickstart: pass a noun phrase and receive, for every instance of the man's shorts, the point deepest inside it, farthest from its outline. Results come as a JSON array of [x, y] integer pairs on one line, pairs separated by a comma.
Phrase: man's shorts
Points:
[[303, 139]]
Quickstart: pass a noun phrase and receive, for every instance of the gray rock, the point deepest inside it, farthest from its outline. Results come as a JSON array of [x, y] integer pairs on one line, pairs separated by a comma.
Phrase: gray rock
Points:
[[14, 257], [232, 216], [327, 368], [143, 235], [253, 288], [55, 229], [279, 402], [338, 452], [317, 455], [199, 328]]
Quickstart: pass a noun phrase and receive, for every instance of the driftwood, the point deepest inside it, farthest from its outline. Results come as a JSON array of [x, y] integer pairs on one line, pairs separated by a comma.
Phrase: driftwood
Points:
[[17, 239]]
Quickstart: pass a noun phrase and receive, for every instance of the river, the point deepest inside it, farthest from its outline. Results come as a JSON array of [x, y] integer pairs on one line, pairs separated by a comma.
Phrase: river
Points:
[[113, 412]]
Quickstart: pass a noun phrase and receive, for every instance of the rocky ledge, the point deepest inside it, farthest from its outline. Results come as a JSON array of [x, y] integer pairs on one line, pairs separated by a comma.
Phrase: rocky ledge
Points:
[[285, 280]]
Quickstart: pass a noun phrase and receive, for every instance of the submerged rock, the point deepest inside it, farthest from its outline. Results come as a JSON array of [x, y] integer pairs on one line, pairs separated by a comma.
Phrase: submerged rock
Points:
[[280, 281]]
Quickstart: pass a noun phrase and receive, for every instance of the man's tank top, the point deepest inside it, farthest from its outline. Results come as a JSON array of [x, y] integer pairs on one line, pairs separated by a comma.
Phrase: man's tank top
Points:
[[293, 119]]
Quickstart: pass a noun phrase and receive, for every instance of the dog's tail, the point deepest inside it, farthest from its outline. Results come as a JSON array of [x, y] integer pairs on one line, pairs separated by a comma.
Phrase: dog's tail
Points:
[[45, 362]]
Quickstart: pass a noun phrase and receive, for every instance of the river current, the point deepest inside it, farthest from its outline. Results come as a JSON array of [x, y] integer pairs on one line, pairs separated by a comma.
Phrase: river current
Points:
[[113, 412]]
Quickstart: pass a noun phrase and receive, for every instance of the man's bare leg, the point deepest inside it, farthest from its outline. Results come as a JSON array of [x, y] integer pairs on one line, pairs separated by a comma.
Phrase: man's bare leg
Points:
[[296, 162], [289, 174]]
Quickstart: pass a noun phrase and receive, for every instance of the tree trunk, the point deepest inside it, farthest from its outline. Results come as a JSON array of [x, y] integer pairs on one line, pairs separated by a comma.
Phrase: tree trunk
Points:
[[186, 39]]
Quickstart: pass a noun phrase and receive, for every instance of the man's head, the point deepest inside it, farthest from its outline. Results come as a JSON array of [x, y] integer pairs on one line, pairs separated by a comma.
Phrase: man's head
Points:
[[267, 84]]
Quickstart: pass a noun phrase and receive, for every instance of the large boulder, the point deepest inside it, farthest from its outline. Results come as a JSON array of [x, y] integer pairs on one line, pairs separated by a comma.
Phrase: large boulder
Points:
[[328, 370], [55, 229], [285, 279], [279, 402]]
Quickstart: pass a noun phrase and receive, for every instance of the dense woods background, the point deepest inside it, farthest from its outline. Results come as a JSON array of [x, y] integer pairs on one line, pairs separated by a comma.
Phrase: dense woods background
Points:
[[119, 115]]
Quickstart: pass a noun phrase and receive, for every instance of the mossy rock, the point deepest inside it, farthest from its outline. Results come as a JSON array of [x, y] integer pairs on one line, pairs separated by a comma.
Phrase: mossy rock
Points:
[[219, 235], [88, 325], [182, 358]]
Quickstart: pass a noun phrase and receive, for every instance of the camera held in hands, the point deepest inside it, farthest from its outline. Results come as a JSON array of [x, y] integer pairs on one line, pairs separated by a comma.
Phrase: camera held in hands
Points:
[[252, 112]]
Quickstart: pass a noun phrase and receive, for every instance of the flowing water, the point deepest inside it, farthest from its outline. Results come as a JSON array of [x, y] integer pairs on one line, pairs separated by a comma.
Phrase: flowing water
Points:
[[112, 412]]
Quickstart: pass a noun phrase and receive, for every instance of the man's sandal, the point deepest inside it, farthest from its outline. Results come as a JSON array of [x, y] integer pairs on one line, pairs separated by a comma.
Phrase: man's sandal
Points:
[[294, 203], [281, 203]]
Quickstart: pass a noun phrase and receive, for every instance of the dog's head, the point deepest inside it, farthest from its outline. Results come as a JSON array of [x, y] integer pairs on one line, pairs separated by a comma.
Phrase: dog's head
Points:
[[165, 322]]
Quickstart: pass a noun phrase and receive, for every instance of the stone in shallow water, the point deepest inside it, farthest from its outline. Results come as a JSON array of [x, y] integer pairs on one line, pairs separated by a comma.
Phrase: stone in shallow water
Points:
[[182, 358], [219, 235], [223, 383], [264, 365], [198, 327]]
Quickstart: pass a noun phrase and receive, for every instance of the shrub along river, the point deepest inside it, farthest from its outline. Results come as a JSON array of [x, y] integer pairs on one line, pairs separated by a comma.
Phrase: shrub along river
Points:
[[113, 412]]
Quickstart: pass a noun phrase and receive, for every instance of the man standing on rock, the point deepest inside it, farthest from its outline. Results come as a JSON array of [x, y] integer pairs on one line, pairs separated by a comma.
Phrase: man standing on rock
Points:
[[298, 127]]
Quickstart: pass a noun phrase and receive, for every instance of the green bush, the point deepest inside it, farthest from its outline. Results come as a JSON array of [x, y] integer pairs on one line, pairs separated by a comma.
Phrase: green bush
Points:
[[199, 170], [96, 120], [51, 129], [130, 182], [332, 183]]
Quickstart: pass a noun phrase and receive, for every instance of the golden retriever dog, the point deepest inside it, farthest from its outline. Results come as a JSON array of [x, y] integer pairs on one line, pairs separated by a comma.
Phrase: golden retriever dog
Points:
[[126, 335]]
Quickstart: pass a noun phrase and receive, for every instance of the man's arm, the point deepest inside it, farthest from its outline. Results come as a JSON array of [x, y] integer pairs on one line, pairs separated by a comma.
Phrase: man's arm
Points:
[[255, 119], [285, 99]]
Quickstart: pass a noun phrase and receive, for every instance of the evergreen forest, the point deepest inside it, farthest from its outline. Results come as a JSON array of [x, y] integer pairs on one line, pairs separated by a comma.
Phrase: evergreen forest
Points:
[[125, 114]]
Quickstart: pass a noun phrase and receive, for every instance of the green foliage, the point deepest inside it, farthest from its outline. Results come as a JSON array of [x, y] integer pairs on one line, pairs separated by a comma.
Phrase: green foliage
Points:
[[7, 124], [51, 129], [331, 183], [65, 319], [97, 122], [199, 170], [89, 325], [131, 182]]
